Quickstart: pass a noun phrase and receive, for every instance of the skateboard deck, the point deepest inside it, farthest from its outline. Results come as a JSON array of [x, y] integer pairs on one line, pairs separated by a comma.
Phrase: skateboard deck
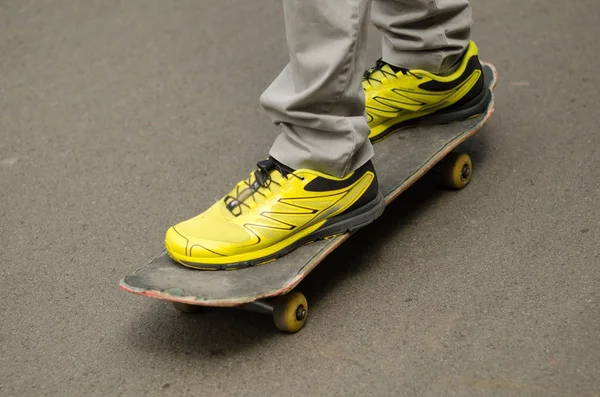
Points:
[[400, 160]]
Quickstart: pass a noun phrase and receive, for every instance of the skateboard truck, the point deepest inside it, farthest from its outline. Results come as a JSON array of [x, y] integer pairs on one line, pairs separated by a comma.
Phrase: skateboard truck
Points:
[[289, 311]]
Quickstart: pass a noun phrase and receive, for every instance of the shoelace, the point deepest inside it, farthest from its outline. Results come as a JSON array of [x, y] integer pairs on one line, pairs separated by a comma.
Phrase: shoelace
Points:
[[379, 65], [262, 179]]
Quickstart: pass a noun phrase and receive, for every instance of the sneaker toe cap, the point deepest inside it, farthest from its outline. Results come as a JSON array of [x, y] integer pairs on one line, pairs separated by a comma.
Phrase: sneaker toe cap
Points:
[[180, 246]]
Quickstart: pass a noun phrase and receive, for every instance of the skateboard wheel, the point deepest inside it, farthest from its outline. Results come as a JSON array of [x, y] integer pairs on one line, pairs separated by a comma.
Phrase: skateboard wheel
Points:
[[186, 307], [290, 312], [456, 170]]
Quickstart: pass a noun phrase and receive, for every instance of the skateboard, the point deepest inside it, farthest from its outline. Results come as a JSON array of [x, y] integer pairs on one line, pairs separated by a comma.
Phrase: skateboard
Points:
[[405, 156]]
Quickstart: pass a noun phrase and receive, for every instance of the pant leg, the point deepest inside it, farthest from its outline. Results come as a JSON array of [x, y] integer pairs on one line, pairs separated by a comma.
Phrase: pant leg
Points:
[[423, 34], [318, 99]]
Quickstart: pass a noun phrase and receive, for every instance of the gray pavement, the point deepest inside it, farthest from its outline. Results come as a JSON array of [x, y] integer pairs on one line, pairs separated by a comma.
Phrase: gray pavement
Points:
[[119, 118]]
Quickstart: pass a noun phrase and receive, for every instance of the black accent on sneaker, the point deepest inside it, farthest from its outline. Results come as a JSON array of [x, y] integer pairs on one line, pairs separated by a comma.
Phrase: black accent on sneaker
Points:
[[475, 96], [437, 86], [321, 184], [369, 195]]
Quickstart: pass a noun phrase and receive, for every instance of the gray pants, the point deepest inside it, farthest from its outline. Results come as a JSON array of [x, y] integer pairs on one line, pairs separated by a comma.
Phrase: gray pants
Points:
[[318, 98]]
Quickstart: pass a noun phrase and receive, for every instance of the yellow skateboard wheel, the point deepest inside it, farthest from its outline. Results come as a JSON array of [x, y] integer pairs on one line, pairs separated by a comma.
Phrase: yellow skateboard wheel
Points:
[[456, 170], [290, 312]]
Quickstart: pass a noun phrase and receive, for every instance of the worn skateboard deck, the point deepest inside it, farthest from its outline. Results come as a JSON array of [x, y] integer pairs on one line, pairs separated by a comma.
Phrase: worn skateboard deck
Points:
[[400, 160]]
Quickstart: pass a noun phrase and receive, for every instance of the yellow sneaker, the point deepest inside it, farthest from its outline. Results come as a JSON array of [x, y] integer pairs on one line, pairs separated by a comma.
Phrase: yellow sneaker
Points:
[[397, 97], [274, 211]]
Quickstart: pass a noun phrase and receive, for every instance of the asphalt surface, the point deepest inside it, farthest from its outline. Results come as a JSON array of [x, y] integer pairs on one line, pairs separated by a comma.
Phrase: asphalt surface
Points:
[[120, 118]]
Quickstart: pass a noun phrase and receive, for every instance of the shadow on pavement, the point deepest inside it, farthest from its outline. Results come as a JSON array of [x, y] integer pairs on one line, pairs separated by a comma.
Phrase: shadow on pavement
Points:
[[211, 333]]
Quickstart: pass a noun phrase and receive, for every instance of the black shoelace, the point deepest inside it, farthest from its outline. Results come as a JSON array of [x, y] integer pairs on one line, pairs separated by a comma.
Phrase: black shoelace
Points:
[[262, 179]]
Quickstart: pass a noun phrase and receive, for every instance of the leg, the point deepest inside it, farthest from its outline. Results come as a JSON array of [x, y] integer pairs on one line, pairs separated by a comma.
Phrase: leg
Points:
[[319, 181], [423, 34], [318, 99]]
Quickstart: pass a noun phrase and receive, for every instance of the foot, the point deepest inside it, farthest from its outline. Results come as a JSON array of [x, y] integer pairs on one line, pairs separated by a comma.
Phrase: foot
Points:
[[274, 211], [397, 97]]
